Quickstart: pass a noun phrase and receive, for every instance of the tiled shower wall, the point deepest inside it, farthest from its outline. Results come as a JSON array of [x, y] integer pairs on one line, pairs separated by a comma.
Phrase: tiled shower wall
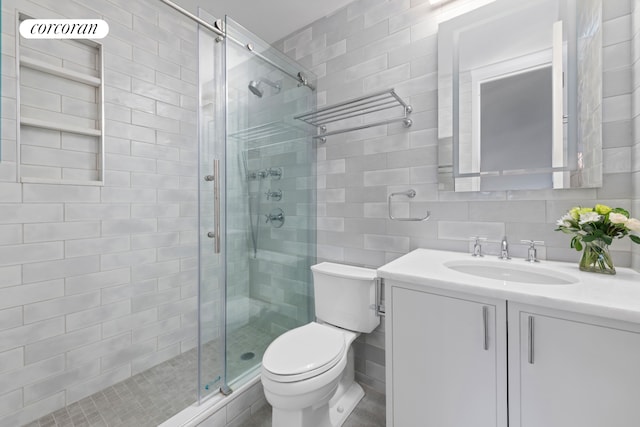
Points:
[[99, 283], [377, 44]]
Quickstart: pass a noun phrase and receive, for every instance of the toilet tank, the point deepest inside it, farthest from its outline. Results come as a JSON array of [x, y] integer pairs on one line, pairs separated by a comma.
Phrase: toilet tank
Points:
[[345, 296]]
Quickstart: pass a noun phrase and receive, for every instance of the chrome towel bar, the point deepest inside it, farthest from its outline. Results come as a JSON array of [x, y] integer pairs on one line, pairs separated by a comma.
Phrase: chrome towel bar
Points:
[[361, 106]]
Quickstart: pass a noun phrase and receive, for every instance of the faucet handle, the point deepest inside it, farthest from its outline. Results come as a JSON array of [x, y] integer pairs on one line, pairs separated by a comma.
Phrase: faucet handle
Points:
[[533, 243], [275, 195], [477, 246], [532, 252]]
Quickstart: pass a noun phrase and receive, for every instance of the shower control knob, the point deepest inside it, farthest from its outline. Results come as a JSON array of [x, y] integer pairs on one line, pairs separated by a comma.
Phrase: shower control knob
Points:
[[275, 195], [272, 217], [275, 217], [275, 173], [211, 235]]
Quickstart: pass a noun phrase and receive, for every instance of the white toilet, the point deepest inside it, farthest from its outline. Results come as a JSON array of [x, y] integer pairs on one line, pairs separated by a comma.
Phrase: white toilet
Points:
[[308, 372]]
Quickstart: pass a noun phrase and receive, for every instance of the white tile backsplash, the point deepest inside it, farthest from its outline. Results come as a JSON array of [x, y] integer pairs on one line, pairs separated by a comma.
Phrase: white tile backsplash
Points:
[[59, 345], [52, 231], [10, 317]]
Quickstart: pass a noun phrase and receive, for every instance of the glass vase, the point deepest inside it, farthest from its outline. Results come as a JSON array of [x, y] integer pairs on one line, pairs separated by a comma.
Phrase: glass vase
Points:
[[596, 258]]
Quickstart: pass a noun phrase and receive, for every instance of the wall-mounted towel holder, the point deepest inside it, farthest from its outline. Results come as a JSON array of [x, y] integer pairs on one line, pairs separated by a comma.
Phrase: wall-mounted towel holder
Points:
[[410, 194], [363, 106]]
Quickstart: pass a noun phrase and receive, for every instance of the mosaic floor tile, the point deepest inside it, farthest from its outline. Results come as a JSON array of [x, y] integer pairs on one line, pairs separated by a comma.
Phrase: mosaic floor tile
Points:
[[155, 395]]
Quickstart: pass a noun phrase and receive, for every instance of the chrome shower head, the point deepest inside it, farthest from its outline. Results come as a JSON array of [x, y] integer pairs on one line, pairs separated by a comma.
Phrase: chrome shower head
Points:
[[254, 86]]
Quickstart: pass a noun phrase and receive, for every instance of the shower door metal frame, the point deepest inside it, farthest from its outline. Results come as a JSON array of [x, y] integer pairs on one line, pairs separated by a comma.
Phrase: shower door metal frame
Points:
[[219, 29]]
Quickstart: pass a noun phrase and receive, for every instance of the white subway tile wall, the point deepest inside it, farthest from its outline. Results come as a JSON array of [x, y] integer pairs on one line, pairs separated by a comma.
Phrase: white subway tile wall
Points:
[[97, 283], [378, 44]]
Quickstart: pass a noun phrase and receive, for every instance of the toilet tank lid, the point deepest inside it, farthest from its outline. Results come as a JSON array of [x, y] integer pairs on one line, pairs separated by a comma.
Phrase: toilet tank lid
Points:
[[342, 270]]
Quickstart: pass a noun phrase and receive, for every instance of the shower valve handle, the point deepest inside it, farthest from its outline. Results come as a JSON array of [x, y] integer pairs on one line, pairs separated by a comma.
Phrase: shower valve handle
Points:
[[272, 217], [275, 217], [275, 195]]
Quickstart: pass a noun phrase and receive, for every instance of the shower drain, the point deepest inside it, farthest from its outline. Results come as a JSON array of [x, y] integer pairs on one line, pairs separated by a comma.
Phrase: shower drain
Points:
[[248, 355]]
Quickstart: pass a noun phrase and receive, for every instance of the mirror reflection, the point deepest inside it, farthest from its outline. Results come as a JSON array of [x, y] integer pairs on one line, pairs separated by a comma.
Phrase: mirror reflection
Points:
[[519, 96]]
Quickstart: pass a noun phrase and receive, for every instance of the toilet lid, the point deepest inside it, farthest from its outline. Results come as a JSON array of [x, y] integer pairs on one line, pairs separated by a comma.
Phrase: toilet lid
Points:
[[310, 349]]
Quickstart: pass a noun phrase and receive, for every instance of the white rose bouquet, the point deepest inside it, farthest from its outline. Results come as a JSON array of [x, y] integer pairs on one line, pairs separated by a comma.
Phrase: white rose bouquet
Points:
[[597, 227]]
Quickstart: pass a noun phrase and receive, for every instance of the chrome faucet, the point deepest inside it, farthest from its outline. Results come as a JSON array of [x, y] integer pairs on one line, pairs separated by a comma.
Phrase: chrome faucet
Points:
[[504, 249]]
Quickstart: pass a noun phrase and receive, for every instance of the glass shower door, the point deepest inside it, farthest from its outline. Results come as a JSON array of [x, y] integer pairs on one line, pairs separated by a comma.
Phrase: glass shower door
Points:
[[256, 204], [270, 200], [211, 213]]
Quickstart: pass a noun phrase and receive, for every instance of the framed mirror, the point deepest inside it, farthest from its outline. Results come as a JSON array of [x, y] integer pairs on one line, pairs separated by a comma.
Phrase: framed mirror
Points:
[[520, 96]]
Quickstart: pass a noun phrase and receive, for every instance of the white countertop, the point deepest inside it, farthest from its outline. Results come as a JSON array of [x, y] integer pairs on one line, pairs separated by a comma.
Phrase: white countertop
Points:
[[611, 296]]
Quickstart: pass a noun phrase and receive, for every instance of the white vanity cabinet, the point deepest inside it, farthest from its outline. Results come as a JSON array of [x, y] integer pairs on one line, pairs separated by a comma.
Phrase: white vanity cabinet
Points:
[[570, 350], [567, 369], [449, 353], [446, 358]]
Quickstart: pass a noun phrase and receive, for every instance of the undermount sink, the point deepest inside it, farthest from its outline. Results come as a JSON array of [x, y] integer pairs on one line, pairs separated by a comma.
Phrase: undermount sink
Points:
[[509, 271]]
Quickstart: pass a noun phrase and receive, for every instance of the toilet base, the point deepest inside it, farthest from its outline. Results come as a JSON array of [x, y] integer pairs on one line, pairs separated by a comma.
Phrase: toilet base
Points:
[[332, 414], [340, 410]]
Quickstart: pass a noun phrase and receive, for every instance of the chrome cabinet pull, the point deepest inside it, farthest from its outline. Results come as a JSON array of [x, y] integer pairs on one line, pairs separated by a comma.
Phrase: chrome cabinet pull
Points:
[[485, 325], [530, 356]]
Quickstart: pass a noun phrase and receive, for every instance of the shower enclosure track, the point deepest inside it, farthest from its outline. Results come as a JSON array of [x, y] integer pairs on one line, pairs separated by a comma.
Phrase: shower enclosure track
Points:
[[361, 106], [300, 77]]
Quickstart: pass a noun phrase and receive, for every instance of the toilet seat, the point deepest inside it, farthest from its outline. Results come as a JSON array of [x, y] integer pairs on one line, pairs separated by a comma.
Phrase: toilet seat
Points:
[[303, 353]]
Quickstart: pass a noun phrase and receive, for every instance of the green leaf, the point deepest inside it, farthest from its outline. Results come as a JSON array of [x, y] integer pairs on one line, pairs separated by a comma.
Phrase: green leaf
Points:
[[608, 240], [575, 243], [634, 238], [589, 238]]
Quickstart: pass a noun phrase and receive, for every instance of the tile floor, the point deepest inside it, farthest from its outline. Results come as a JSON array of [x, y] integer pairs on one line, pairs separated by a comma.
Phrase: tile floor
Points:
[[370, 412], [155, 395]]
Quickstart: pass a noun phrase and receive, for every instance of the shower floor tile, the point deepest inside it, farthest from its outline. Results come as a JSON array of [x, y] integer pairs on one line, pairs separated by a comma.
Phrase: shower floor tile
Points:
[[155, 395]]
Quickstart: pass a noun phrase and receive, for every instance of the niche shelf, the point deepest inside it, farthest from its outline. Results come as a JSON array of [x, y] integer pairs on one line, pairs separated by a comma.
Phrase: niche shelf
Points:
[[364, 106], [60, 103]]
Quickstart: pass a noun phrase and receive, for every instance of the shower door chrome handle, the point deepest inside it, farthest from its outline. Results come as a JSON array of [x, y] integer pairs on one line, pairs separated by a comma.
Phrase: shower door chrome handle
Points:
[[216, 203], [215, 234]]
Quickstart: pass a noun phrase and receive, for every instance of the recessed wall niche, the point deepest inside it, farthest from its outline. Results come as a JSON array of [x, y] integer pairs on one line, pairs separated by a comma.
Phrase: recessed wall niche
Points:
[[61, 110]]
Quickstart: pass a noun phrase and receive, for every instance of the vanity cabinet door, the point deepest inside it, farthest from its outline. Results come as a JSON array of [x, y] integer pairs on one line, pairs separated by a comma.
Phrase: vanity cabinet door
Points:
[[567, 370], [447, 361]]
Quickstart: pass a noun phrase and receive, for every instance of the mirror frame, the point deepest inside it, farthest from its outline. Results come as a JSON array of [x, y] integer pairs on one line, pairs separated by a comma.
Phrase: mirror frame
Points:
[[579, 163]]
